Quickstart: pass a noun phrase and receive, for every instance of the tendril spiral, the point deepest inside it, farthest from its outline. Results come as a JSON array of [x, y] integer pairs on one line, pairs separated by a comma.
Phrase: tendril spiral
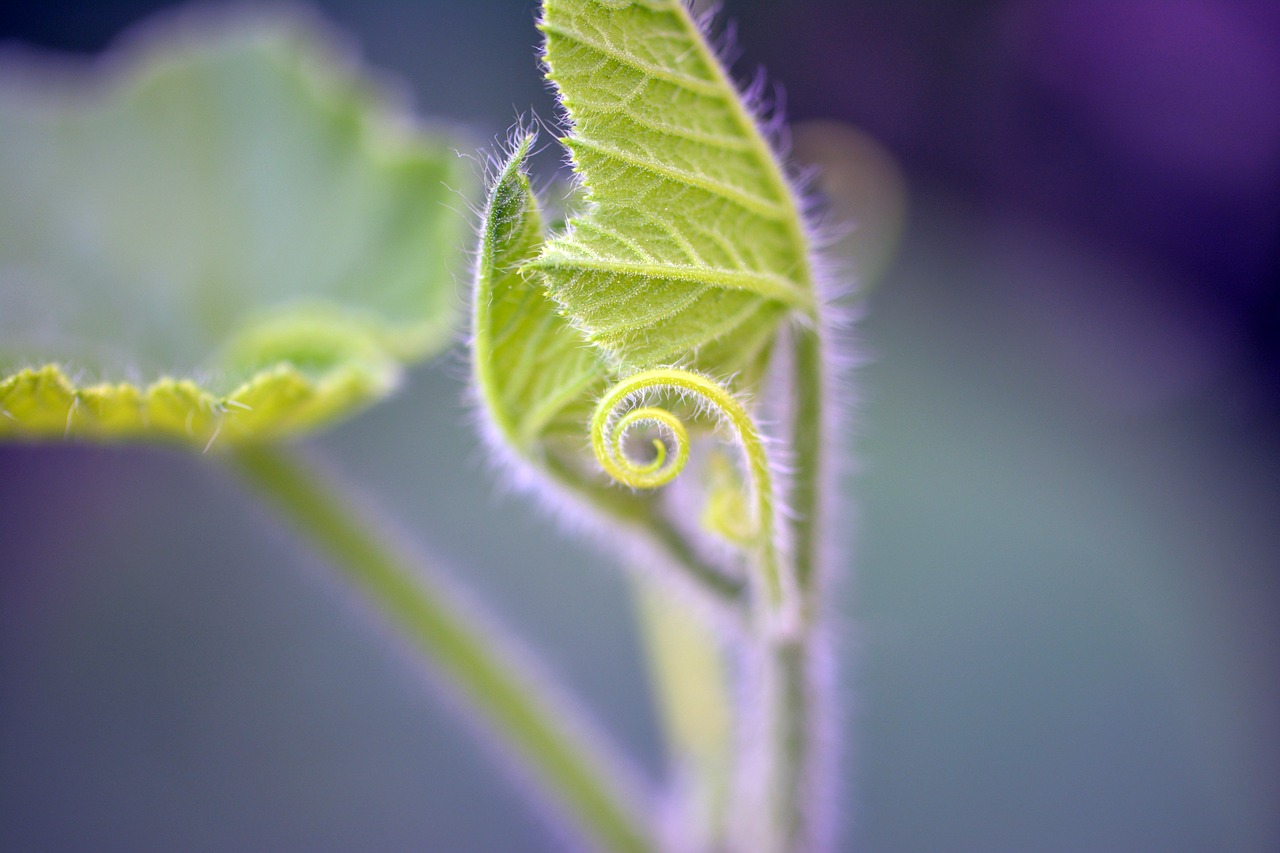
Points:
[[622, 409], [660, 470]]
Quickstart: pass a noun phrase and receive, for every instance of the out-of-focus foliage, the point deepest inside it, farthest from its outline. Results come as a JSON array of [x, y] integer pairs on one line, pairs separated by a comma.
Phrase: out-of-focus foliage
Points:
[[223, 231]]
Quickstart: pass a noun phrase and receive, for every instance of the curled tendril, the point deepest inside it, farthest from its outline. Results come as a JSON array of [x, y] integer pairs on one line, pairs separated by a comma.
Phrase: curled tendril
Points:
[[613, 420], [657, 472]]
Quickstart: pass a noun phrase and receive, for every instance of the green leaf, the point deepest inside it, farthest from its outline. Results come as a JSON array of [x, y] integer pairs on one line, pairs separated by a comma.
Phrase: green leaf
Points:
[[223, 231], [539, 379], [692, 248], [538, 376]]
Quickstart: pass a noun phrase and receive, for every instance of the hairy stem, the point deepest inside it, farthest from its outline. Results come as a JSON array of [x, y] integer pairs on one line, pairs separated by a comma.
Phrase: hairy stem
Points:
[[793, 791], [794, 700], [789, 723], [523, 713], [807, 444]]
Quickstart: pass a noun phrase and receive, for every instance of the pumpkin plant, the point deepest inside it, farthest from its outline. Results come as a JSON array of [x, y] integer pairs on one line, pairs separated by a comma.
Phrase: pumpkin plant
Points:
[[651, 362]]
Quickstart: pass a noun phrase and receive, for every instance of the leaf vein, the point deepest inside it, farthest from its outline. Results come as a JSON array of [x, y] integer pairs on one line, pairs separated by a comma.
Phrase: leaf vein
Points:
[[767, 285], [622, 107], [694, 84], [761, 206], [612, 234], [676, 236]]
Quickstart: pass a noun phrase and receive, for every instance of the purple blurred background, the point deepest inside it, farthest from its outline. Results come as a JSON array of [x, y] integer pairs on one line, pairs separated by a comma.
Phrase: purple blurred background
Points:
[[1147, 128]]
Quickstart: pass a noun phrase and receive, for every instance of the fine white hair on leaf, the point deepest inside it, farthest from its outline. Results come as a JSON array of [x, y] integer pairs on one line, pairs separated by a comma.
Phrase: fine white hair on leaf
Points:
[[519, 470]]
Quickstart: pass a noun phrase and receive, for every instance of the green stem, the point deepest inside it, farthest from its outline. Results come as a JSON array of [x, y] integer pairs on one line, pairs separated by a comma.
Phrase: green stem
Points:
[[807, 444], [789, 772], [793, 704], [519, 710]]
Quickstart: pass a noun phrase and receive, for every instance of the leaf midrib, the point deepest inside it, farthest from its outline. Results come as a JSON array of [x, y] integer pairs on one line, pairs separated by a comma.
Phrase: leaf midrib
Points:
[[771, 286]]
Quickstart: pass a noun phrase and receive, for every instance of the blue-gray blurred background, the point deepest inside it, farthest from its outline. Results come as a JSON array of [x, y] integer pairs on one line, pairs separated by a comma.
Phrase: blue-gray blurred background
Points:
[[1060, 627]]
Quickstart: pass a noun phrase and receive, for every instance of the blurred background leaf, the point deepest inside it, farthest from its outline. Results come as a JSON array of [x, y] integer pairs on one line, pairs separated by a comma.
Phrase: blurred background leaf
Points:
[[228, 215]]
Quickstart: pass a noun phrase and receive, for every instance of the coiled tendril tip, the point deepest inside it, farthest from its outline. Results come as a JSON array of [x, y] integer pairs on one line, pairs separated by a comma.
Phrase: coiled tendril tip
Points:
[[609, 443], [612, 422]]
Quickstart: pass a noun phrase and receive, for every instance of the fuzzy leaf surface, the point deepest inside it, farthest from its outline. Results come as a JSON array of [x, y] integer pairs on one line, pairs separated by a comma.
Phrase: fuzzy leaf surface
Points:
[[692, 248], [221, 229], [537, 374]]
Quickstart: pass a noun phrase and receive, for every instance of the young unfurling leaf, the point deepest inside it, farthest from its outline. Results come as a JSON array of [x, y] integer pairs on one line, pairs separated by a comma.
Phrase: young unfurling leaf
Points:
[[539, 379], [537, 374], [658, 304], [691, 249]]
